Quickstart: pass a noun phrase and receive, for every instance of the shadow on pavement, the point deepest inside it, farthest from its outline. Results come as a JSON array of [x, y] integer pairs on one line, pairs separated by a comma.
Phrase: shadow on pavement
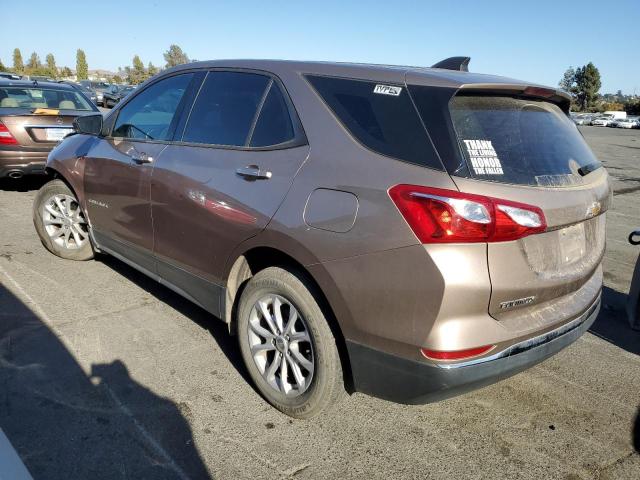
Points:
[[24, 184], [65, 423], [216, 328], [612, 324]]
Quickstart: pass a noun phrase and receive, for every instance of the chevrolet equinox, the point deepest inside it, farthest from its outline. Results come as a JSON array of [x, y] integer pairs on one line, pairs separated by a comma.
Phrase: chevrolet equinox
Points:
[[410, 233]]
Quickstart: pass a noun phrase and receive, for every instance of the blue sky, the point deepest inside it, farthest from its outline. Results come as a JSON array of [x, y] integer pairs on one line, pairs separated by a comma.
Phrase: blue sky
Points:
[[535, 40]]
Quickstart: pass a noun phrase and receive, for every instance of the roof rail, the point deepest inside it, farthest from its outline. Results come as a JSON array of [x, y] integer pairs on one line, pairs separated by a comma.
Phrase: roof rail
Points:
[[454, 63]]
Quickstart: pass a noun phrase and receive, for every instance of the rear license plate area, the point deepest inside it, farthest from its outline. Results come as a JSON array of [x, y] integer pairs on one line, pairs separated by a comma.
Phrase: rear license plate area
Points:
[[57, 134]]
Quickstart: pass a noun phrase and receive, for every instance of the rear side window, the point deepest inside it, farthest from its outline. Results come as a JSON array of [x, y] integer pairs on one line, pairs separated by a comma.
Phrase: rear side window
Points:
[[520, 141], [381, 117], [150, 114], [274, 124], [225, 110]]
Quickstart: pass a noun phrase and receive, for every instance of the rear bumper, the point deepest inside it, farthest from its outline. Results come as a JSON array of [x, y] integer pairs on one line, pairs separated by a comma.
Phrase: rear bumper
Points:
[[21, 160], [406, 381]]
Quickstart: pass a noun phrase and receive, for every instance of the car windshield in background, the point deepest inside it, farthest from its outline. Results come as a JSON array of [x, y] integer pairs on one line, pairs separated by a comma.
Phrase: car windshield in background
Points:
[[518, 141], [36, 97]]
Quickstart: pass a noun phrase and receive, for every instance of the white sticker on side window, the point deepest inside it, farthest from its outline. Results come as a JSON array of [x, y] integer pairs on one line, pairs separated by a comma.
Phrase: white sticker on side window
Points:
[[387, 90], [484, 159]]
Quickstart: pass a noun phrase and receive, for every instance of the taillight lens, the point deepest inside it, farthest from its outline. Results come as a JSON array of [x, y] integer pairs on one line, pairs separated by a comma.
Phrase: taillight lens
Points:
[[455, 354], [5, 136], [438, 215]]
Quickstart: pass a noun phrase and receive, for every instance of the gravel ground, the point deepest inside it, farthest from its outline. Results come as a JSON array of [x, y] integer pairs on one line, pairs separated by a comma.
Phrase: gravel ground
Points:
[[105, 374]]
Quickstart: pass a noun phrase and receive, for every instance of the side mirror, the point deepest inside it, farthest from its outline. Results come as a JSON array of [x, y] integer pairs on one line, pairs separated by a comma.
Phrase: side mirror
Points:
[[88, 124]]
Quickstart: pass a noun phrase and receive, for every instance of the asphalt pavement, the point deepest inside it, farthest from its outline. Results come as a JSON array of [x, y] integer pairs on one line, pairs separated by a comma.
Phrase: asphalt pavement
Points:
[[105, 374]]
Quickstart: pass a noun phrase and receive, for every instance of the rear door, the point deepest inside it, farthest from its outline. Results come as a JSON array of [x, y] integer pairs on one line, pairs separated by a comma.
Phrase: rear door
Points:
[[118, 169], [224, 179], [528, 150]]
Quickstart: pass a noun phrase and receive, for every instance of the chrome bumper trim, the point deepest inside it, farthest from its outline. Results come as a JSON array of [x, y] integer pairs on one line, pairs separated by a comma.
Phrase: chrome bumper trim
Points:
[[531, 342]]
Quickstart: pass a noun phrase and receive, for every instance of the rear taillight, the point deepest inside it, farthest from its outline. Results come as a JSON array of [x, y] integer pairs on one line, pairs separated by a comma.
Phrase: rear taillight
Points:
[[437, 215], [455, 354], [5, 136]]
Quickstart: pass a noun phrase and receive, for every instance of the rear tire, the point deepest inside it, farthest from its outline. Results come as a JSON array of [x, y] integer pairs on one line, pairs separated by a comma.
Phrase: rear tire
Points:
[[60, 222], [298, 336]]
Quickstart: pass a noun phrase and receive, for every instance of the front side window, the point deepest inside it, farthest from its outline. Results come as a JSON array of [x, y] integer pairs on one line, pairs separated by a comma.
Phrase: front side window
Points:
[[225, 111], [150, 115]]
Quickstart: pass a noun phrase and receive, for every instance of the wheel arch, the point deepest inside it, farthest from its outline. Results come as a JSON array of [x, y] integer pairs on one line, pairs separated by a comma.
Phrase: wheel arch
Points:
[[257, 258]]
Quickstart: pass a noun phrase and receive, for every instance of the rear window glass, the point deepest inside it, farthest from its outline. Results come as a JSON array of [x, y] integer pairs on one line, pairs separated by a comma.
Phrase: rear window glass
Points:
[[520, 141], [32, 98], [380, 116]]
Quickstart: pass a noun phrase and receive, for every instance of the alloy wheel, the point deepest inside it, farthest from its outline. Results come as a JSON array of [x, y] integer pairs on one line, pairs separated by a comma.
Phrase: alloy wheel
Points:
[[281, 345], [64, 222]]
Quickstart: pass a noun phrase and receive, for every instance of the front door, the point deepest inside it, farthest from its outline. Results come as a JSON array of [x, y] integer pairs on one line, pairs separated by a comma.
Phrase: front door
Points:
[[118, 170]]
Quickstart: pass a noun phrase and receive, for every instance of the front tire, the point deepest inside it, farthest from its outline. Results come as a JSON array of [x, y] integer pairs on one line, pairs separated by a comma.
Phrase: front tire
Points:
[[287, 344], [60, 222]]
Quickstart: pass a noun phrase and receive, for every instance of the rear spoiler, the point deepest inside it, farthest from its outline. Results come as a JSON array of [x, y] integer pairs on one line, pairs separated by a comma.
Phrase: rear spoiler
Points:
[[554, 95]]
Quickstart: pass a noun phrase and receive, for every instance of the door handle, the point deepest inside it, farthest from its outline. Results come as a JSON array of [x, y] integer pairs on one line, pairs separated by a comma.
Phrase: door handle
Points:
[[141, 157], [253, 172]]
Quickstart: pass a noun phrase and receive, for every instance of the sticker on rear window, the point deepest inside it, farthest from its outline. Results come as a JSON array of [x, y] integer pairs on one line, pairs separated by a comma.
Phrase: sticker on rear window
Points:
[[387, 90], [484, 159]]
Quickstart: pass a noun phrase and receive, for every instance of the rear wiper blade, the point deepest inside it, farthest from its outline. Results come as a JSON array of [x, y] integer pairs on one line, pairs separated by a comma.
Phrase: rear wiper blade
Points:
[[587, 169]]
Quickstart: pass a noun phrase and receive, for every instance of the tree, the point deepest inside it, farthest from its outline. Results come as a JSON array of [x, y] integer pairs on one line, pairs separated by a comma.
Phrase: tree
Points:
[[2, 67], [151, 70], [18, 66], [51, 65], [34, 62], [175, 56], [82, 69], [66, 72], [568, 80], [587, 86], [116, 79], [137, 74]]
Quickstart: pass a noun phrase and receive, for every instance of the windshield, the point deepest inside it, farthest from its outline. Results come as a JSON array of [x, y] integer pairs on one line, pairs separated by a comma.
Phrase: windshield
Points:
[[520, 141], [36, 97]]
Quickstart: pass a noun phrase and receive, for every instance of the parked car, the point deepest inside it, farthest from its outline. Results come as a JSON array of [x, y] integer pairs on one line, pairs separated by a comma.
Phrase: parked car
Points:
[[34, 116], [602, 121], [582, 119], [114, 94], [404, 232], [98, 87], [629, 122], [86, 91], [10, 76]]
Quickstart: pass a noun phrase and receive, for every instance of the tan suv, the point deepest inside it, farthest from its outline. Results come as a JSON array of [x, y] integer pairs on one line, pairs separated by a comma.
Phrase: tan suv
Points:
[[411, 233]]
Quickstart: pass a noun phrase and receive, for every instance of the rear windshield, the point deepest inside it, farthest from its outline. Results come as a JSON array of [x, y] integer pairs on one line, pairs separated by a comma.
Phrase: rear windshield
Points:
[[34, 97], [520, 141], [379, 116]]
